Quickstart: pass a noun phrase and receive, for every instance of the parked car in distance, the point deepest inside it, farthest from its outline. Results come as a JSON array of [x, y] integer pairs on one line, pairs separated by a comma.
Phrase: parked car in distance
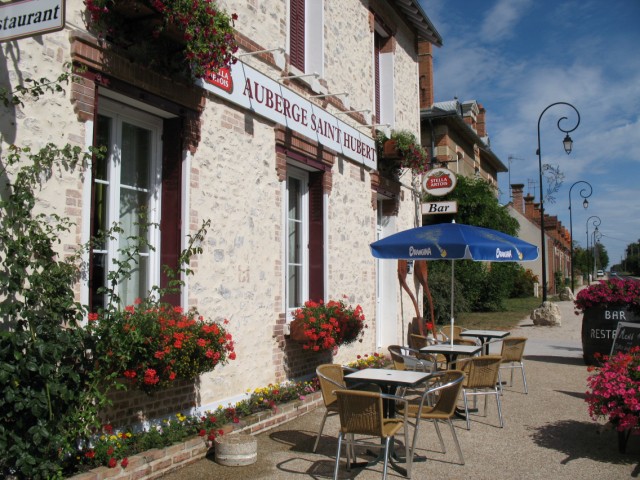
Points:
[[600, 273]]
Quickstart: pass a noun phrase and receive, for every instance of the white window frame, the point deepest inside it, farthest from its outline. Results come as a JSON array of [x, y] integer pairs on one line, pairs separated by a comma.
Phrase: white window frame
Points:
[[119, 113], [303, 177], [387, 85]]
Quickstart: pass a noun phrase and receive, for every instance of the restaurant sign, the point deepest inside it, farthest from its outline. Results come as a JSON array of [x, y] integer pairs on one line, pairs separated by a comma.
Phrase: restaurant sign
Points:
[[439, 182], [29, 18], [250, 89]]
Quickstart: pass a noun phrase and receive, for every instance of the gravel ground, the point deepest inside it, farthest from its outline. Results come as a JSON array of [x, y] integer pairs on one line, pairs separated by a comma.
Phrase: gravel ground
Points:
[[547, 433]]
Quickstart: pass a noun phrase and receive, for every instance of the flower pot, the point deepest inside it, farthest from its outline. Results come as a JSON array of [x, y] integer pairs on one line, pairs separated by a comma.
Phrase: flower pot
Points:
[[390, 149], [599, 326], [296, 329]]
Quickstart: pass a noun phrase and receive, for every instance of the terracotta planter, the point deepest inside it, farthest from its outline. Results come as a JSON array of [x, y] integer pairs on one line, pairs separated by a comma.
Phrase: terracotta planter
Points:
[[297, 331], [390, 149], [599, 326]]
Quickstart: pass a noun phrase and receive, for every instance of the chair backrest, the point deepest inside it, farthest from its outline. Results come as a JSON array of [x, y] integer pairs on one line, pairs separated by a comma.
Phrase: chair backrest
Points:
[[397, 357], [513, 349], [331, 378], [449, 390], [446, 331], [482, 371], [360, 412], [417, 341]]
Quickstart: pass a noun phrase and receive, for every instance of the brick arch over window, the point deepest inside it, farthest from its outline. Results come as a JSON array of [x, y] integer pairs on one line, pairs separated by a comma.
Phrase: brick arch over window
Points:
[[106, 68], [304, 150]]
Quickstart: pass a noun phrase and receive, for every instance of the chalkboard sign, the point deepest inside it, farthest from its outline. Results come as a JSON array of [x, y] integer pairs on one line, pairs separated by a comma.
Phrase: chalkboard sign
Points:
[[627, 337]]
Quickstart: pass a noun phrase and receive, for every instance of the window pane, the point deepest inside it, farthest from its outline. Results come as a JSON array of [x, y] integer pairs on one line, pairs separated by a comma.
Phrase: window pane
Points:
[[98, 279], [135, 156], [103, 139], [135, 286], [295, 286]]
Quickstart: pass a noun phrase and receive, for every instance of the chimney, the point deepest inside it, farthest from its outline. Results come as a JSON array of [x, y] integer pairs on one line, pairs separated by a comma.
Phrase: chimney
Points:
[[529, 209], [481, 126], [516, 193], [425, 74]]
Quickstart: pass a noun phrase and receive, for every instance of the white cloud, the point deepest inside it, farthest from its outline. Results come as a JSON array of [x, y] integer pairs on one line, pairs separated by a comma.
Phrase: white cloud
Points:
[[502, 19]]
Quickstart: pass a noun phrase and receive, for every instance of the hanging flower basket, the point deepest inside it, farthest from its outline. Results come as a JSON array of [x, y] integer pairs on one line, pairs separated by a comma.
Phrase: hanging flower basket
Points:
[[404, 147], [153, 32]]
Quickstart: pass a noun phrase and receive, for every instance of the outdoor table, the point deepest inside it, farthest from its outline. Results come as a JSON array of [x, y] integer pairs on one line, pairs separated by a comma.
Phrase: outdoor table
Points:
[[484, 336], [451, 352], [388, 380]]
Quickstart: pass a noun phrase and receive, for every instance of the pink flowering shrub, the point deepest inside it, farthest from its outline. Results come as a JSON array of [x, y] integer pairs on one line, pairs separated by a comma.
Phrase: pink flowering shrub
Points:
[[610, 293], [614, 390]]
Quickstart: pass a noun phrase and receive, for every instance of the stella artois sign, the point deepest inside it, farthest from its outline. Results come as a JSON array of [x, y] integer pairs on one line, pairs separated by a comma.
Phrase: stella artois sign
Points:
[[439, 182]]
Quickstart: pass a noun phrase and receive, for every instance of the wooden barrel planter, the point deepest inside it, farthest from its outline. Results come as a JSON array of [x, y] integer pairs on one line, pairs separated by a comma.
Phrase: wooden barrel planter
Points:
[[599, 326]]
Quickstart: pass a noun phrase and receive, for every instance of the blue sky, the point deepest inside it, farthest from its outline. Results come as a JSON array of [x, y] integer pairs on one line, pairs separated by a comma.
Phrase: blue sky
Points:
[[516, 57]]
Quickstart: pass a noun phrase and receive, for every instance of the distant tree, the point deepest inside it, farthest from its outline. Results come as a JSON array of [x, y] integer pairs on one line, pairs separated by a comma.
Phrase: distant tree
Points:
[[478, 286], [631, 263]]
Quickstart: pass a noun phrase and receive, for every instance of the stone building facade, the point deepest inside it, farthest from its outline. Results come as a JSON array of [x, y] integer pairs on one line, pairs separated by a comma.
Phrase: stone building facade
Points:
[[261, 173]]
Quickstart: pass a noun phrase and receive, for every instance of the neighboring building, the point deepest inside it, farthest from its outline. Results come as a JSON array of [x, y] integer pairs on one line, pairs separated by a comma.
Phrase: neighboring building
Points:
[[557, 237], [455, 133], [294, 195]]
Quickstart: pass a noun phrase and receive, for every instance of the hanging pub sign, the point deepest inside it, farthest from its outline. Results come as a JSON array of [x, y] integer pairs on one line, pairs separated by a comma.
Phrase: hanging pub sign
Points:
[[29, 18], [439, 182]]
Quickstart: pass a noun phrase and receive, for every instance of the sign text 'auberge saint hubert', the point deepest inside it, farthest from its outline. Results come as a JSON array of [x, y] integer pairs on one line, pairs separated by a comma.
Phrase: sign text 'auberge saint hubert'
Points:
[[247, 87]]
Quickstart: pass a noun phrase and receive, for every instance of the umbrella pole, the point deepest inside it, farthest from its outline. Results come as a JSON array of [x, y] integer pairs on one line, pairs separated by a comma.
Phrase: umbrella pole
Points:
[[452, 297]]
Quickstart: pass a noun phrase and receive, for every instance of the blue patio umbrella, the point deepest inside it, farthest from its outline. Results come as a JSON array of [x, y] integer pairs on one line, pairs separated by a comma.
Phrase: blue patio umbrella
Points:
[[454, 241]]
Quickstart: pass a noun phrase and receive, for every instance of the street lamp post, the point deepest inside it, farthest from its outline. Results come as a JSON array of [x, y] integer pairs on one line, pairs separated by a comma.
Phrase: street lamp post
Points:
[[596, 236], [596, 223], [568, 144], [585, 204]]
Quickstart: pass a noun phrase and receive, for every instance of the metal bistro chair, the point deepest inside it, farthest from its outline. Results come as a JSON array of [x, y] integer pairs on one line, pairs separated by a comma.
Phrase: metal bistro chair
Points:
[[446, 389], [512, 353], [481, 378], [405, 358], [361, 413], [330, 377], [420, 341]]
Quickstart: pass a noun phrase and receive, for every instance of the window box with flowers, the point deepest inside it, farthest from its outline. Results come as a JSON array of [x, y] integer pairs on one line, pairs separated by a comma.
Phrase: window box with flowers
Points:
[[614, 393], [174, 36], [152, 345], [402, 150], [603, 305], [320, 326]]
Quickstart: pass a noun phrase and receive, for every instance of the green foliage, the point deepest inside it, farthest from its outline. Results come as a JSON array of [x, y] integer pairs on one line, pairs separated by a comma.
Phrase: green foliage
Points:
[[411, 153], [199, 39], [152, 344], [478, 205], [111, 448], [34, 88], [50, 396], [479, 288], [440, 287], [522, 283]]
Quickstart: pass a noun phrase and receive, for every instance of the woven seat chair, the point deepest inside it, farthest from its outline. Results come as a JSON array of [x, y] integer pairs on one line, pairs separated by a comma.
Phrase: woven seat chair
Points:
[[445, 333], [481, 378], [446, 389], [361, 413], [330, 377], [405, 358], [512, 353], [420, 341]]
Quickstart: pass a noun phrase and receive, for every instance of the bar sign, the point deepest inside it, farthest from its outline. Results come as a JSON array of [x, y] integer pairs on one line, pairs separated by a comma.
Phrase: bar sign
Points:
[[436, 208]]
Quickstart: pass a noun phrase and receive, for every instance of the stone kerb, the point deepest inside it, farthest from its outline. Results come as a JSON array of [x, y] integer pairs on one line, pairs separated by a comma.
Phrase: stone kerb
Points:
[[157, 462]]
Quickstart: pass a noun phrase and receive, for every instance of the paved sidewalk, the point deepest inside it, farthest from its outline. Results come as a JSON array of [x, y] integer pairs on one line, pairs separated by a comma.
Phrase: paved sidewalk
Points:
[[547, 433]]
